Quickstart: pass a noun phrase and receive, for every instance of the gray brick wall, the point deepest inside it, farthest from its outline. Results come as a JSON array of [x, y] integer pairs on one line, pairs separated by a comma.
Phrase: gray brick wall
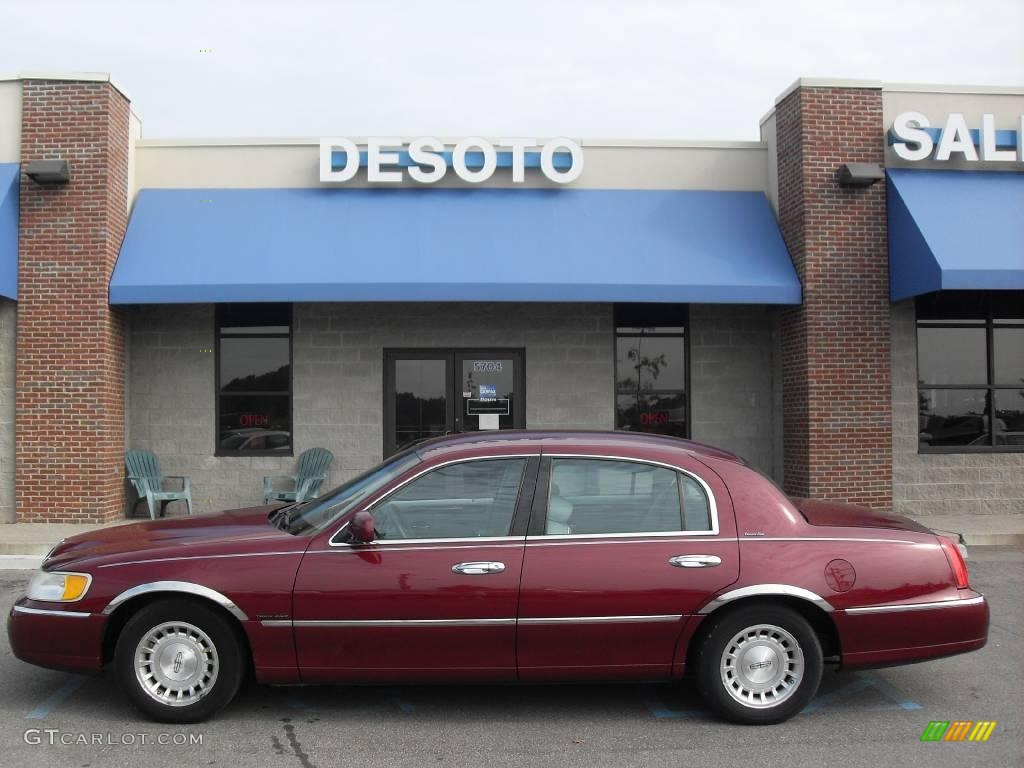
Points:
[[338, 358], [8, 316], [959, 483], [731, 377]]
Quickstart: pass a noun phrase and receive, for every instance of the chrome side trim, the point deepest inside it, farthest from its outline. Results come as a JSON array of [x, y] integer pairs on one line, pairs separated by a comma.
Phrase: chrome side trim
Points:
[[419, 474], [398, 542], [712, 503], [43, 612], [388, 622], [176, 586], [827, 538], [652, 619], [200, 557], [471, 622], [760, 590], [890, 608]]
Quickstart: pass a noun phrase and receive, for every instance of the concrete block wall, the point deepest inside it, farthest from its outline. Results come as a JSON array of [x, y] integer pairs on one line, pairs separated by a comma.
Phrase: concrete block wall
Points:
[[941, 484], [338, 379], [731, 378], [338, 358], [8, 318]]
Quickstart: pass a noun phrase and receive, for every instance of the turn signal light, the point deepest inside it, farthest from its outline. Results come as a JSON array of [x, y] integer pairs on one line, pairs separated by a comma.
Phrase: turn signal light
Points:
[[956, 562]]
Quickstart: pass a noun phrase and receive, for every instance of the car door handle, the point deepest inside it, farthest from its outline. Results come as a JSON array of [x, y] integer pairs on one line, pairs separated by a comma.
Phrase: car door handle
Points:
[[478, 568], [695, 561]]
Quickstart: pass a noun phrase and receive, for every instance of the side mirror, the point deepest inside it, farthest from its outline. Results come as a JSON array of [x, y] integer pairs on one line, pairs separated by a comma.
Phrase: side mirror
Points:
[[361, 527]]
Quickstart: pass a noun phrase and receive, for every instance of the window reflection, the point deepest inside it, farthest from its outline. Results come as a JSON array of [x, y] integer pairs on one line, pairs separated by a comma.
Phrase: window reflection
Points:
[[650, 369], [970, 352]]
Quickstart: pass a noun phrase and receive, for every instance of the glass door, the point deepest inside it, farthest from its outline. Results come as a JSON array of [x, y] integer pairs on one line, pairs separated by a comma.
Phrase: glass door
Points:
[[490, 392], [428, 393]]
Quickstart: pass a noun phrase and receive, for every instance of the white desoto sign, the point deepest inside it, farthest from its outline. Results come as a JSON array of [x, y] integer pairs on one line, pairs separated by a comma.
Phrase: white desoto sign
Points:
[[913, 139], [427, 159]]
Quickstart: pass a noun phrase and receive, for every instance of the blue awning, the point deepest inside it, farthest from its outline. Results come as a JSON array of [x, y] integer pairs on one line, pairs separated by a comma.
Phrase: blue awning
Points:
[[222, 245], [9, 173], [955, 230]]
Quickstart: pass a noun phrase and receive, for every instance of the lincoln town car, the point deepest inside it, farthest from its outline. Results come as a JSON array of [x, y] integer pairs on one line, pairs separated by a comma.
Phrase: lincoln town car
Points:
[[507, 557]]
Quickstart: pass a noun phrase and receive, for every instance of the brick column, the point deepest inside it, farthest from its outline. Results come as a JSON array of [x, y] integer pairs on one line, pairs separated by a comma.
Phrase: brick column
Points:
[[70, 420], [837, 412]]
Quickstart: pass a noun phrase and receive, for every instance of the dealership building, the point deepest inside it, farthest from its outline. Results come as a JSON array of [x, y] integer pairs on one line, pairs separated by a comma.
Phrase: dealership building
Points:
[[841, 303]]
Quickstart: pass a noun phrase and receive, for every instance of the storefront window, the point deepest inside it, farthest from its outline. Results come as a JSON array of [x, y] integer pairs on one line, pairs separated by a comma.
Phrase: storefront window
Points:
[[254, 380], [650, 369], [970, 370]]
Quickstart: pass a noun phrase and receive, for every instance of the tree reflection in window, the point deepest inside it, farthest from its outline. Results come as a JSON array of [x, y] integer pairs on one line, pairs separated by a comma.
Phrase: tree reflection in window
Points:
[[651, 376]]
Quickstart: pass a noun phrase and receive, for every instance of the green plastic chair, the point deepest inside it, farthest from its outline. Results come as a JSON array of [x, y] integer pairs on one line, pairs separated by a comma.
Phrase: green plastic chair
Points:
[[313, 467], [144, 472]]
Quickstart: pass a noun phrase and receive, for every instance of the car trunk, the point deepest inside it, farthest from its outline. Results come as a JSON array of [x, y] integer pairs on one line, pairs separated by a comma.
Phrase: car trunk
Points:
[[837, 515]]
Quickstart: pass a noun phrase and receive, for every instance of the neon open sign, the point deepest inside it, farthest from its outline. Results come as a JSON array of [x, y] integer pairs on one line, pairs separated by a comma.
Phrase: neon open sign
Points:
[[254, 420]]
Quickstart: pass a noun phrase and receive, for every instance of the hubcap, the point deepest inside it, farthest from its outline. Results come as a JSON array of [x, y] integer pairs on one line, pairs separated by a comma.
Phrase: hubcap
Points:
[[762, 666], [176, 664]]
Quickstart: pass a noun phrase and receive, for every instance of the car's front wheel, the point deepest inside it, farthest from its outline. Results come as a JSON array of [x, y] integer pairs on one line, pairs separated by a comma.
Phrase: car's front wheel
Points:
[[759, 665], [179, 661]]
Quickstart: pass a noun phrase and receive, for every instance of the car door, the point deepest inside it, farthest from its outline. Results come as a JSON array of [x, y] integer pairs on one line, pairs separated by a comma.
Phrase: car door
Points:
[[434, 596], [620, 553]]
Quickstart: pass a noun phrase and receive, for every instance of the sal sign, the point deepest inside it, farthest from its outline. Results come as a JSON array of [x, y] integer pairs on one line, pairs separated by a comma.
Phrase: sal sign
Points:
[[427, 160], [913, 138]]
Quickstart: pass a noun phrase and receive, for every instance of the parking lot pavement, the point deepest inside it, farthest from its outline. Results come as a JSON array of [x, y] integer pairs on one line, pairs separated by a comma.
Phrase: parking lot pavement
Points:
[[872, 718]]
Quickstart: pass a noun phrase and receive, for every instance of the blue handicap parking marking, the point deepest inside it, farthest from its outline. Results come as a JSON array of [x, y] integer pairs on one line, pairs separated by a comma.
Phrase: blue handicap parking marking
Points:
[[656, 703], [56, 698], [891, 692], [862, 682]]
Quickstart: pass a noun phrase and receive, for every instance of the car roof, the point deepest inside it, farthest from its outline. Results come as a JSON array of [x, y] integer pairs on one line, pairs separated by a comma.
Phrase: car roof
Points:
[[612, 439]]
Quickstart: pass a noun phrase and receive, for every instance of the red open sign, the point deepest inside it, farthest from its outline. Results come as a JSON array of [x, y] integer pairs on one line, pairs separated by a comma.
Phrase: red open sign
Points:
[[654, 417], [253, 420]]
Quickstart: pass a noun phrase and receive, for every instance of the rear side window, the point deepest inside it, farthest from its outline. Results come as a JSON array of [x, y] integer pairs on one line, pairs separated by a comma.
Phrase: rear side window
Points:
[[601, 496]]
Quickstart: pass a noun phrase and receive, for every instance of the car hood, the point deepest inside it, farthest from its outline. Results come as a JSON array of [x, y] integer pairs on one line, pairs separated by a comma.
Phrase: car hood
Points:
[[169, 535], [838, 515]]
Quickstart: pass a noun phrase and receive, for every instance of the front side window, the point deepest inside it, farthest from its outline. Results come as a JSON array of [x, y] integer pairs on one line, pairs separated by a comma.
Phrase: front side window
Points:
[[467, 500], [970, 370], [254, 380], [602, 496], [650, 369]]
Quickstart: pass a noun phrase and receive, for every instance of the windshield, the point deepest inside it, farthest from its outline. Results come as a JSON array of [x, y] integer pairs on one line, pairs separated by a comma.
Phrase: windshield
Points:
[[321, 511]]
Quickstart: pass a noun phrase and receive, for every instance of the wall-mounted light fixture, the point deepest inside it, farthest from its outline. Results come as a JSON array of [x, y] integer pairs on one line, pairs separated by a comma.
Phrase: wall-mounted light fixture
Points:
[[48, 171], [860, 174]]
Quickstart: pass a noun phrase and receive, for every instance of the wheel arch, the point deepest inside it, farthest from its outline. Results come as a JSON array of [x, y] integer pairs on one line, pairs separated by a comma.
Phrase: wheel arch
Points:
[[127, 604], [794, 598]]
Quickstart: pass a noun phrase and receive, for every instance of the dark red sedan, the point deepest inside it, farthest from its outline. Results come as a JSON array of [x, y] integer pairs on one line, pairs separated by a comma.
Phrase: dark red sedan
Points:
[[511, 556]]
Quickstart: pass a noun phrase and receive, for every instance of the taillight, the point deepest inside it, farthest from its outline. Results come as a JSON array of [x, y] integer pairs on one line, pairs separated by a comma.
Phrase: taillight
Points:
[[956, 562]]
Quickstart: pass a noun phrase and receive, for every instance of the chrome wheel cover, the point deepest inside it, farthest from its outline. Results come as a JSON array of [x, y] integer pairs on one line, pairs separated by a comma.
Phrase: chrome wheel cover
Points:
[[762, 666], [176, 664]]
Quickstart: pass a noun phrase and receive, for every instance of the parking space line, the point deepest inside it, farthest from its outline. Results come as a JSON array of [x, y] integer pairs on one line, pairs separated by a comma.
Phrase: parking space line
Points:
[[820, 702], [891, 692], [660, 709], [860, 683], [54, 700]]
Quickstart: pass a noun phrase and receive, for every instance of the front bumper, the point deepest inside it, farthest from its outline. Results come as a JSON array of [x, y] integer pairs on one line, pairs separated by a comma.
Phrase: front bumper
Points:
[[905, 633], [57, 638]]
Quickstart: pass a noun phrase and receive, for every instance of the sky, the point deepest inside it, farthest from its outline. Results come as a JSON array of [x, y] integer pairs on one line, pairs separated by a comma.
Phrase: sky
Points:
[[629, 69]]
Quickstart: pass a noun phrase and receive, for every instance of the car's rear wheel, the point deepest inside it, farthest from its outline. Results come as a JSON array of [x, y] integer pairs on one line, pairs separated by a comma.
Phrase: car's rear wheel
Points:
[[179, 661], [759, 664]]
